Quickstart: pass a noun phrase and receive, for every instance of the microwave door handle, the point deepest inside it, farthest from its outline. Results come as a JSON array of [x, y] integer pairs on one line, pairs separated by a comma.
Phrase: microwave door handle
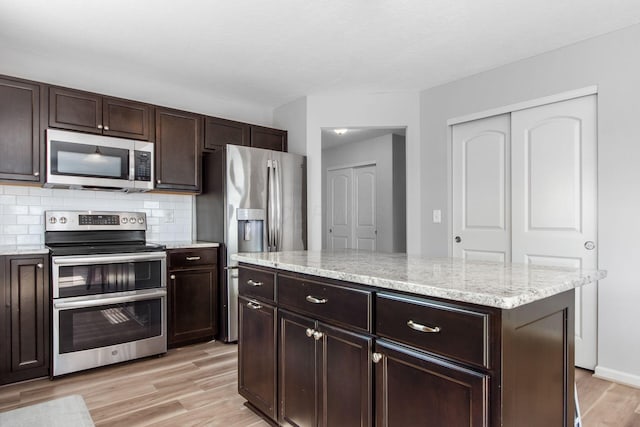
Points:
[[132, 164]]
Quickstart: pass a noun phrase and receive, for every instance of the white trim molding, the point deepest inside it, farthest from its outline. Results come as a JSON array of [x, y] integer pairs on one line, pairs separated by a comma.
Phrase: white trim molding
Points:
[[577, 93], [617, 376]]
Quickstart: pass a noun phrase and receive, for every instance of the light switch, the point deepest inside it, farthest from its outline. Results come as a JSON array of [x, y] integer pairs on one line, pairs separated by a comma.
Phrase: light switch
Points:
[[437, 216]]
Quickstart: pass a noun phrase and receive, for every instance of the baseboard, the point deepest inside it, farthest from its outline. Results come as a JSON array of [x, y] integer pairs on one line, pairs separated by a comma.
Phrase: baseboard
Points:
[[617, 376]]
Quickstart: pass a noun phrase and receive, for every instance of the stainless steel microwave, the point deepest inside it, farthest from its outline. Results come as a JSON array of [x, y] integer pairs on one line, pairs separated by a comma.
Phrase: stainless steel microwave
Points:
[[84, 161]]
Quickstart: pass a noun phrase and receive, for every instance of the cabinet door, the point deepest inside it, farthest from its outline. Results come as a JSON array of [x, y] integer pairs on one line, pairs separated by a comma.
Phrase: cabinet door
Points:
[[271, 139], [75, 110], [127, 119], [19, 130], [29, 319], [220, 132], [192, 303], [178, 142], [298, 389], [257, 361], [345, 378], [449, 395]]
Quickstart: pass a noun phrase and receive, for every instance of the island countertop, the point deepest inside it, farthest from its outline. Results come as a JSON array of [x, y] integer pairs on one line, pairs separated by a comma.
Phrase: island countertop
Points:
[[478, 282]]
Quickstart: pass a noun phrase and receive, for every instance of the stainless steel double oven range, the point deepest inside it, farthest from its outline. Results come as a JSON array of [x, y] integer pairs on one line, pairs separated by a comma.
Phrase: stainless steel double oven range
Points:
[[108, 287]]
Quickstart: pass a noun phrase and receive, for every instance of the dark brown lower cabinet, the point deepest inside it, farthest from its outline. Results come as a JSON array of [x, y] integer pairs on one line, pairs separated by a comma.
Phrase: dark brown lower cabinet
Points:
[[25, 334], [192, 296], [413, 388], [434, 362], [257, 361], [325, 374]]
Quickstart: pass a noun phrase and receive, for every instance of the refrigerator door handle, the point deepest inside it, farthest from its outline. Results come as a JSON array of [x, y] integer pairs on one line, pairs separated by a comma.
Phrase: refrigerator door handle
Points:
[[279, 213], [270, 206]]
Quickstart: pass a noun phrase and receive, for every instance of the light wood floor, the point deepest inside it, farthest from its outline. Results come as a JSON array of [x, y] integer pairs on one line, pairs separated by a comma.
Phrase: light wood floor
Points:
[[196, 386]]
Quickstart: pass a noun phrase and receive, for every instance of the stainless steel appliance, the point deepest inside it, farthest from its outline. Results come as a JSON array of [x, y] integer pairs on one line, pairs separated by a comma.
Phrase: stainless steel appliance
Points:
[[78, 160], [253, 200], [108, 287]]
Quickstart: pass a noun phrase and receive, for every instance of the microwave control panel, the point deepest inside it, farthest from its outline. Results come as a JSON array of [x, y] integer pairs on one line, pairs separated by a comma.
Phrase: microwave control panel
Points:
[[142, 166]]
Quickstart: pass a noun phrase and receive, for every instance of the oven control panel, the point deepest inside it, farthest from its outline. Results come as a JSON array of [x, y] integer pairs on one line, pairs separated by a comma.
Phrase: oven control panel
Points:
[[92, 220]]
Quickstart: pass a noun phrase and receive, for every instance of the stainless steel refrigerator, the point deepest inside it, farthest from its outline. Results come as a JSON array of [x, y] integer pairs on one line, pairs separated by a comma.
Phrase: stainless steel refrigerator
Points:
[[252, 200]]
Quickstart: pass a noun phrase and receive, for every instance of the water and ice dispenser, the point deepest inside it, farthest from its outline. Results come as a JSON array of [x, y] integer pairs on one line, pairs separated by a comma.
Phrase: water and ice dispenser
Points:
[[250, 230]]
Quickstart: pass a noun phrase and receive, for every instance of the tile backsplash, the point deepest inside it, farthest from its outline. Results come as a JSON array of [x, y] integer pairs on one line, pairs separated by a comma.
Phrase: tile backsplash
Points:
[[169, 216]]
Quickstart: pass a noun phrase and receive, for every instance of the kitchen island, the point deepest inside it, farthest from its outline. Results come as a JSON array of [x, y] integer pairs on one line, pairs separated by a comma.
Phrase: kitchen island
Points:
[[360, 338]]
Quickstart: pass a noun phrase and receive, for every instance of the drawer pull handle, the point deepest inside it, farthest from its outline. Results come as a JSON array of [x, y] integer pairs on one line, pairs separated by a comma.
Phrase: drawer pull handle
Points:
[[252, 283], [315, 300], [310, 332], [254, 305], [376, 357], [422, 328], [193, 258]]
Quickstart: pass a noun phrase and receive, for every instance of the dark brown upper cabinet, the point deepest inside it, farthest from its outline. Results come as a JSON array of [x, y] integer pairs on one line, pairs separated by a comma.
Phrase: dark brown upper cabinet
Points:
[[271, 139], [20, 130], [179, 136], [220, 132], [93, 113]]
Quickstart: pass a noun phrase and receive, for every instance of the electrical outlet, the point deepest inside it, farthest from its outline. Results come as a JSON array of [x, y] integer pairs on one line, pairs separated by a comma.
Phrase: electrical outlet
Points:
[[437, 216]]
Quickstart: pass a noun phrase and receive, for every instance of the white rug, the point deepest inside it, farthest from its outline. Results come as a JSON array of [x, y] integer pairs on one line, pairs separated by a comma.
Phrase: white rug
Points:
[[69, 411]]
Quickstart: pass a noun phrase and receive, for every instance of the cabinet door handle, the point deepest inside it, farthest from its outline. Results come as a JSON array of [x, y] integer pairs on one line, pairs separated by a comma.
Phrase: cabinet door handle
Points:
[[314, 300], [159, 181], [252, 283], [36, 174], [422, 328], [376, 357], [193, 258], [99, 126], [317, 335], [172, 277], [309, 332], [106, 128], [40, 265], [254, 305]]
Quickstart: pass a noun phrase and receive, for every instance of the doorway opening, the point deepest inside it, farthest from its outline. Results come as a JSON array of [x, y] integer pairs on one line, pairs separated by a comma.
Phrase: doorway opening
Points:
[[364, 189]]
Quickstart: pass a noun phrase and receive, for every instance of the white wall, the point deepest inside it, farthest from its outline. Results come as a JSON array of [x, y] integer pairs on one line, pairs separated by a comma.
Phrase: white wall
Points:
[[378, 151], [169, 216], [293, 118], [612, 63], [385, 110]]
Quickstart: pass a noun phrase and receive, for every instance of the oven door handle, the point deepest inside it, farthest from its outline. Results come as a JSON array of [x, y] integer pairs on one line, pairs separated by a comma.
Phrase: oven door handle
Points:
[[103, 259], [106, 301]]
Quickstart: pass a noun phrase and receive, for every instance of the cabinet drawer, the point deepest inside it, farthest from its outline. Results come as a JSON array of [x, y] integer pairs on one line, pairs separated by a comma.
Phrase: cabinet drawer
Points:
[[324, 301], [253, 282], [451, 331], [185, 258]]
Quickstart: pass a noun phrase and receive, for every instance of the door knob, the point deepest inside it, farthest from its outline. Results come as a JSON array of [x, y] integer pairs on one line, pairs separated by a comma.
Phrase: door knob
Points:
[[457, 239], [589, 245]]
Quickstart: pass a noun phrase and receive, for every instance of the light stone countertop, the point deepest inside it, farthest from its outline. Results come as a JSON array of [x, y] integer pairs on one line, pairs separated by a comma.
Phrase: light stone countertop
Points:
[[186, 244], [23, 249], [477, 282]]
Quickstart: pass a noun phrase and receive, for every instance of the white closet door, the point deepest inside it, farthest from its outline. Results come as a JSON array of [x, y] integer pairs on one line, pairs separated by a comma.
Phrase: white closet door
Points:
[[554, 199], [340, 208], [365, 228], [481, 189]]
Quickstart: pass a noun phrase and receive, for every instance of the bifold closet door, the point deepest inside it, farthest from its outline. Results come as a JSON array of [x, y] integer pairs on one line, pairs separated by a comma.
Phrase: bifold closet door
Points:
[[481, 189], [554, 185]]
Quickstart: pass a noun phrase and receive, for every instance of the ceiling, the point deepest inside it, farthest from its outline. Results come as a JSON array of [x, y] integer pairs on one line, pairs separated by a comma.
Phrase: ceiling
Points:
[[268, 53]]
